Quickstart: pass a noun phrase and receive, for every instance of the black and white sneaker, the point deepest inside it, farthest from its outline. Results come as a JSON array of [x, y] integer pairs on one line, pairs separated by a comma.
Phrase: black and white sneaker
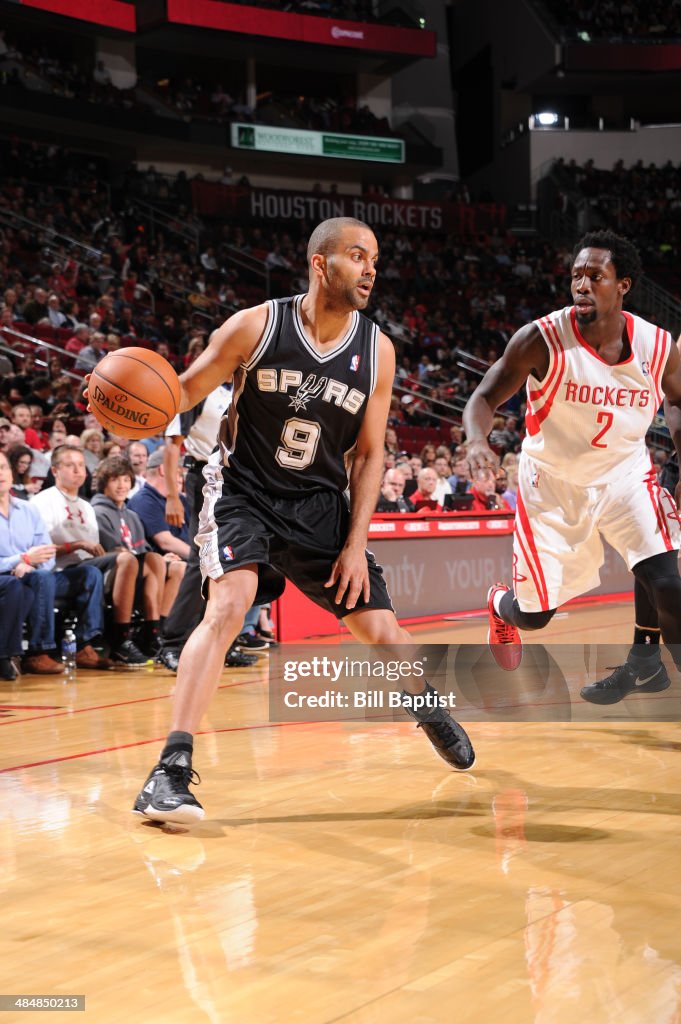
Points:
[[644, 676], [237, 659], [127, 653], [165, 795], [249, 643]]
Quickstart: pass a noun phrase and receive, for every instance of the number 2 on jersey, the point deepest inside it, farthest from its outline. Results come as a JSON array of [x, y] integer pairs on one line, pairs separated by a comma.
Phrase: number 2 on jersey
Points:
[[299, 443], [606, 418]]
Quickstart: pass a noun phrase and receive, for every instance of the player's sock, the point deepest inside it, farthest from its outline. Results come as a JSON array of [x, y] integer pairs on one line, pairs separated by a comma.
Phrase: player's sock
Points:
[[646, 644], [122, 631], [426, 702], [178, 741]]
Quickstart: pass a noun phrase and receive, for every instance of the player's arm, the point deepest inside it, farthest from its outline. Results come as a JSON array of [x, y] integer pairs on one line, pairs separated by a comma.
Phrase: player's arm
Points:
[[671, 386], [525, 354], [232, 344], [171, 463], [350, 569]]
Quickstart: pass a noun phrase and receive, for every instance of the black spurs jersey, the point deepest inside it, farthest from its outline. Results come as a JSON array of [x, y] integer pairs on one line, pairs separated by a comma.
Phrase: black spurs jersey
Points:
[[295, 414]]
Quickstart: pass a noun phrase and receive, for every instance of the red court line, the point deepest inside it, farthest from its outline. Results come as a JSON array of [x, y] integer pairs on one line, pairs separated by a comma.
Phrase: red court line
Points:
[[156, 739], [104, 707]]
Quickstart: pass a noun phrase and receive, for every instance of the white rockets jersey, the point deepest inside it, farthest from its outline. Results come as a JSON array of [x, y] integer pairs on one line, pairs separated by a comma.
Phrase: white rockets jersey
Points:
[[587, 420]]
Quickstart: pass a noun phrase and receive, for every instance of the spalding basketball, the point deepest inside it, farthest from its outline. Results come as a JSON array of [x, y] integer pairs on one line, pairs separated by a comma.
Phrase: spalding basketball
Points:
[[134, 392]]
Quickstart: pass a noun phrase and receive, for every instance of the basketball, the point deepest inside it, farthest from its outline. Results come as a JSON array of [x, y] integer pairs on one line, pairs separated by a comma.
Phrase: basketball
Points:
[[134, 392]]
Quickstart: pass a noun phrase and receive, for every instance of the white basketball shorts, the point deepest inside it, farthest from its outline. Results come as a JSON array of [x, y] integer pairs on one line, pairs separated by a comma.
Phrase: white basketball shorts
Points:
[[557, 544]]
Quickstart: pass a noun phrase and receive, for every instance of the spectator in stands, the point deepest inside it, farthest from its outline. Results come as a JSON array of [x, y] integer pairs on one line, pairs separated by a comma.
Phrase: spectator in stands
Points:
[[28, 553], [92, 441], [428, 454], [510, 438], [20, 458], [36, 308], [54, 312], [21, 417], [443, 469], [138, 457], [460, 479], [424, 496], [41, 395], [484, 491], [150, 506], [72, 524], [121, 529], [391, 498], [507, 485], [79, 339], [89, 356], [23, 544]]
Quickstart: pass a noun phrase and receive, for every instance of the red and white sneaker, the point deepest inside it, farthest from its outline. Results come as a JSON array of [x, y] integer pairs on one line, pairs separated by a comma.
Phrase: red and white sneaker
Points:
[[504, 640]]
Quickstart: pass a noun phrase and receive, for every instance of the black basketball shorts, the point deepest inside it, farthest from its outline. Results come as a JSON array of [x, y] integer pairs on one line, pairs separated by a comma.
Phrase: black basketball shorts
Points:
[[289, 538]]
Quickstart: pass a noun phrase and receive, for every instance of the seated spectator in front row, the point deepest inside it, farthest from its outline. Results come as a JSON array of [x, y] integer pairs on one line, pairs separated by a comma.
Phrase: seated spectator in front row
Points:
[[29, 586], [424, 497], [484, 491], [392, 493], [72, 525], [150, 506], [121, 529]]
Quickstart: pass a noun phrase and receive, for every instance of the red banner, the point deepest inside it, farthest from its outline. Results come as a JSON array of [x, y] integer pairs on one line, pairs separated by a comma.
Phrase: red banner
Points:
[[246, 205], [112, 13], [623, 57], [302, 28]]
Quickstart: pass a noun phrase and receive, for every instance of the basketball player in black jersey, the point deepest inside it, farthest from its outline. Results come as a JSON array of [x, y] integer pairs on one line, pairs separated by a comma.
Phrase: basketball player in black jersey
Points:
[[312, 388]]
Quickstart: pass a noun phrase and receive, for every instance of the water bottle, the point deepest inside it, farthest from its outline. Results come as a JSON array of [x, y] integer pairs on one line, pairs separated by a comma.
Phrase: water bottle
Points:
[[68, 652]]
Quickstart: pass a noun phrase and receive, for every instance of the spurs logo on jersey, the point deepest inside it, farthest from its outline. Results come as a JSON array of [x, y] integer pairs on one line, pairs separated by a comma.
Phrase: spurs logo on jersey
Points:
[[326, 388], [586, 419], [296, 412]]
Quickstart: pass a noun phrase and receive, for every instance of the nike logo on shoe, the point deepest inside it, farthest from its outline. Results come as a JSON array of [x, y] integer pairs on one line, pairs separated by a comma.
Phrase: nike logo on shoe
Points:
[[642, 682]]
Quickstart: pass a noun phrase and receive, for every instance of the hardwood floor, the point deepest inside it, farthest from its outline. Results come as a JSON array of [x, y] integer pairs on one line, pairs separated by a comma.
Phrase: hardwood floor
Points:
[[343, 873]]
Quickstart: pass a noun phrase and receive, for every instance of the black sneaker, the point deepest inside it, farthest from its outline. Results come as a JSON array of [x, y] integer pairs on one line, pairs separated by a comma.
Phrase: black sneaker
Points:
[[165, 795], [237, 659], [626, 679], [127, 653], [249, 643], [449, 739]]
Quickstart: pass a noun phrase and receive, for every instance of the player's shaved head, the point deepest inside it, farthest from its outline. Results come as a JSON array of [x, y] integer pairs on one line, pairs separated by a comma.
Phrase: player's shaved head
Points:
[[326, 236]]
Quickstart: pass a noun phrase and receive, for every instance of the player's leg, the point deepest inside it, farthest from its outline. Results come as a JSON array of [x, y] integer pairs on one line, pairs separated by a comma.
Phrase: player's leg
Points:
[[165, 796], [643, 668], [640, 520], [555, 557], [379, 626]]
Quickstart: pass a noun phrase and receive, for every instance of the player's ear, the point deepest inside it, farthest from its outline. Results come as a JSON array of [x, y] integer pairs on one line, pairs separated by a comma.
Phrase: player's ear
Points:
[[625, 285], [318, 264]]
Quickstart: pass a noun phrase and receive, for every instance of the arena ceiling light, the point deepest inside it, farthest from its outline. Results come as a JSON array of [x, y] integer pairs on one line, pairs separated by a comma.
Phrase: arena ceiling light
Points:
[[547, 118]]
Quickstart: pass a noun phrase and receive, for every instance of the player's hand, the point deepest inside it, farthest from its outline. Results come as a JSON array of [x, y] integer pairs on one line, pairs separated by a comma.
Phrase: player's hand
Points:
[[86, 393], [351, 572], [41, 553], [174, 511], [481, 456]]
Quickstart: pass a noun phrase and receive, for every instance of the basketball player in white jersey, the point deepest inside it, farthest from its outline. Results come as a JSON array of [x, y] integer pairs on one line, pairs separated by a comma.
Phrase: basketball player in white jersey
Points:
[[312, 385], [595, 378]]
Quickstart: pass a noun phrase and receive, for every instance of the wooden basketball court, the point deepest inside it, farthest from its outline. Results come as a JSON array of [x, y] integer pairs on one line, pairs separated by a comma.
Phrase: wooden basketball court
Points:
[[343, 873]]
